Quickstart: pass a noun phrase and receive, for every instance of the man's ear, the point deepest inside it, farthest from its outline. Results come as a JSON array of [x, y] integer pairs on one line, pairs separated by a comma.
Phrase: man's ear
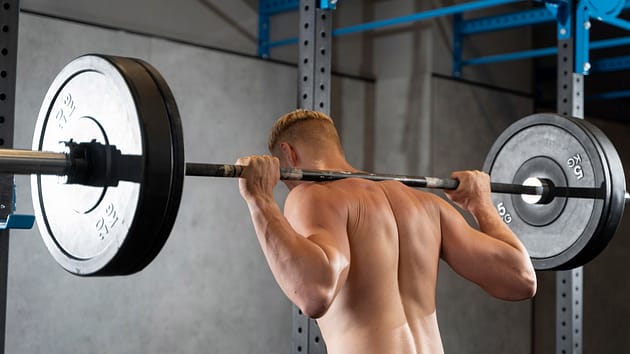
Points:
[[289, 154]]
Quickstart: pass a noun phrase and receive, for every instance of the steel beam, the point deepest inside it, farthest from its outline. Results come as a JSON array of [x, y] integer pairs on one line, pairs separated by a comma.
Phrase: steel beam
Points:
[[9, 15], [314, 78]]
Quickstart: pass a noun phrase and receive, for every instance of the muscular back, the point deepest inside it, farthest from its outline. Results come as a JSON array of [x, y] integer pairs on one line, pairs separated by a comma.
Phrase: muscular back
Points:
[[387, 304]]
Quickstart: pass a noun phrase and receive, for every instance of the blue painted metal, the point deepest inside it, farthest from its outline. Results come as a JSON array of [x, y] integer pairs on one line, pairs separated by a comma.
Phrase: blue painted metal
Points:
[[611, 64], [266, 9], [283, 42], [263, 29], [522, 18], [274, 7], [542, 52], [421, 16], [506, 21], [328, 4], [562, 12], [609, 43], [623, 24], [609, 95], [582, 37], [527, 54], [17, 221], [457, 45], [602, 9]]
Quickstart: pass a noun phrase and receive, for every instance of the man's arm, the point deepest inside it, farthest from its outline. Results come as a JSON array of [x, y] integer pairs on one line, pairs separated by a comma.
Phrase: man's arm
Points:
[[310, 262], [493, 256]]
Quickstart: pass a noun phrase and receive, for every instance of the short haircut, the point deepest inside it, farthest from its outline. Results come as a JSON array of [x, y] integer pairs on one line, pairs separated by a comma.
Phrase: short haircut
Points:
[[297, 125]]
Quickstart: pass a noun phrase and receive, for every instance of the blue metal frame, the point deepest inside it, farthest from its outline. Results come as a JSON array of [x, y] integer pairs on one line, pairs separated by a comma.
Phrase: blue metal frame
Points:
[[458, 40], [606, 11], [559, 11], [328, 4], [612, 64], [542, 52], [267, 9], [609, 95], [400, 20], [421, 16], [505, 21], [554, 10]]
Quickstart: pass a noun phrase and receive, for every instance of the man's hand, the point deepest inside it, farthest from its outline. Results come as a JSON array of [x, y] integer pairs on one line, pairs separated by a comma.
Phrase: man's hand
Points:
[[259, 177], [473, 191]]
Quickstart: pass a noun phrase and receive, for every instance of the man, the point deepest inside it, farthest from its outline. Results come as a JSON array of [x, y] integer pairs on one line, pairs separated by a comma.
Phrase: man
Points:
[[362, 256]]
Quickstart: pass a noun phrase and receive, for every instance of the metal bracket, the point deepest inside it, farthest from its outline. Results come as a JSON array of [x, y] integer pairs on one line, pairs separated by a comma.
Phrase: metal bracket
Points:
[[328, 4], [16, 221], [561, 10], [603, 10]]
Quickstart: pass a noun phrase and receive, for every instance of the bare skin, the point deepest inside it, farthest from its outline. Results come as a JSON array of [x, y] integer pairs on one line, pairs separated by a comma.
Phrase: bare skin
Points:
[[362, 257]]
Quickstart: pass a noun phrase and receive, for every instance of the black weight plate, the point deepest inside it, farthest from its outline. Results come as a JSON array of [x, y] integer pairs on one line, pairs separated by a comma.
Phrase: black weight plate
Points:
[[109, 230], [567, 232]]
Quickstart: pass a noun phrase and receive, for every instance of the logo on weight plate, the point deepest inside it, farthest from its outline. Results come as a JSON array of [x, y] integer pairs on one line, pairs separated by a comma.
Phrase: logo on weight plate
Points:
[[575, 163]]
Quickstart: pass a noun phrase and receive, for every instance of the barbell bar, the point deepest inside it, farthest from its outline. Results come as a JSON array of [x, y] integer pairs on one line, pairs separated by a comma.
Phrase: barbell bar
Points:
[[26, 162], [547, 190], [111, 126]]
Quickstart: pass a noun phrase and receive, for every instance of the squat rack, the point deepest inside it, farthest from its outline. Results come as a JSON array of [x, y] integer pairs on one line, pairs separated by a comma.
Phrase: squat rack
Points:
[[573, 20]]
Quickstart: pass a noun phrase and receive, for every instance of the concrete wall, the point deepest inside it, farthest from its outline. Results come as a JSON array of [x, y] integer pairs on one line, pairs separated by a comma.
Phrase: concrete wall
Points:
[[466, 120], [231, 25], [209, 290]]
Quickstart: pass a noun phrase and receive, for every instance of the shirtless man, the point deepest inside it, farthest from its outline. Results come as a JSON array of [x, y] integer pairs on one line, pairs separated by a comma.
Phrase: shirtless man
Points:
[[362, 257]]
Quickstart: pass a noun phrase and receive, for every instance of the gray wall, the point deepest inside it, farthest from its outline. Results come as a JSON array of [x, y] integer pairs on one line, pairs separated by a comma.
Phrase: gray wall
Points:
[[231, 25], [467, 119], [209, 290]]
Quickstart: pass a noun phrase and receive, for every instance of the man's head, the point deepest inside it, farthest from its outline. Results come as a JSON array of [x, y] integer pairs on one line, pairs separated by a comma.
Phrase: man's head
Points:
[[305, 138]]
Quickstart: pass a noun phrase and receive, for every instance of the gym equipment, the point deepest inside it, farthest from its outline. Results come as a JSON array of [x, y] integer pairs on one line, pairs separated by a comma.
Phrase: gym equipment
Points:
[[108, 165]]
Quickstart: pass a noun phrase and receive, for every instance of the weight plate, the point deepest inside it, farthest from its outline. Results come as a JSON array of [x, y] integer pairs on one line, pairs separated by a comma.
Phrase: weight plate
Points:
[[109, 230], [566, 232]]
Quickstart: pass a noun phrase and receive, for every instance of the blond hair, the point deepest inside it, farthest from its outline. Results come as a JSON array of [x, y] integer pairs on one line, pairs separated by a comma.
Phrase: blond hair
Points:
[[297, 125]]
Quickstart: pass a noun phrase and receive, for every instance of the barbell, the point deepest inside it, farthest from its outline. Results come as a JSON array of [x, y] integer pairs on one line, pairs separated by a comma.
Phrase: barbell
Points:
[[108, 166]]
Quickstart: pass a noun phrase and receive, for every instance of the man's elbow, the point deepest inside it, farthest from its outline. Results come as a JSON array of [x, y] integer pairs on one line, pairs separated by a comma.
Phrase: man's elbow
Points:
[[516, 287], [317, 303], [528, 285], [523, 288]]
